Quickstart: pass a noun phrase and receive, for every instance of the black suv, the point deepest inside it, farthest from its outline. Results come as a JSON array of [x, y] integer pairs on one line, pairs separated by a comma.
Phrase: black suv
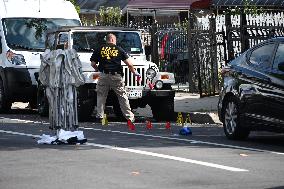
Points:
[[252, 96]]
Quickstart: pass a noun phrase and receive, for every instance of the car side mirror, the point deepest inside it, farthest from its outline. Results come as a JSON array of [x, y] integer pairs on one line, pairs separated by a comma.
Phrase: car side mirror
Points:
[[281, 66], [148, 50]]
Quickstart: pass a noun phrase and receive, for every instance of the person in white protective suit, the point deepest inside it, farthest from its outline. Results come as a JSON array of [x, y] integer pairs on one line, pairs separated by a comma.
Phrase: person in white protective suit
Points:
[[109, 57], [60, 73]]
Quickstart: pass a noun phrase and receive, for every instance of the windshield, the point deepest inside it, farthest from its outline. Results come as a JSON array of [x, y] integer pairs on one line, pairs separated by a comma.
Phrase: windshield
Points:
[[29, 33], [86, 41]]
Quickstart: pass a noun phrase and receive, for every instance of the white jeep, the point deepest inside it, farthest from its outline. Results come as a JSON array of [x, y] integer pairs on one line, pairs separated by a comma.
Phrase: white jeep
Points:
[[154, 88]]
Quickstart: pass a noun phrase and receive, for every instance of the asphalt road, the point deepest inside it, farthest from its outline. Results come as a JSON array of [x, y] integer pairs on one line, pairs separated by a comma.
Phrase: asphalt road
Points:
[[115, 157]]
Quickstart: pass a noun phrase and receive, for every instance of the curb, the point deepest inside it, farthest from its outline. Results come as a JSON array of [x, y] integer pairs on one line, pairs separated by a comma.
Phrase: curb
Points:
[[202, 117]]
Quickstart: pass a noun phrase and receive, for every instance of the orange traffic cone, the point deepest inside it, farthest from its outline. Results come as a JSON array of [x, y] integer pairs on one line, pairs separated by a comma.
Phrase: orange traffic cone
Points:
[[149, 125], [130, 125], [168, 125]]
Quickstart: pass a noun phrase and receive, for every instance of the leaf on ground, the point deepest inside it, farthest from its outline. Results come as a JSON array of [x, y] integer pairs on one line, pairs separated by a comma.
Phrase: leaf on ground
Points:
[[135, 173]]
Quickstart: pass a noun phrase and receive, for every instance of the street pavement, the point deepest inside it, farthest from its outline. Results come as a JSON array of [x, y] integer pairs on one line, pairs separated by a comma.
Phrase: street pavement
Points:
[[118, 158], [115, 157]]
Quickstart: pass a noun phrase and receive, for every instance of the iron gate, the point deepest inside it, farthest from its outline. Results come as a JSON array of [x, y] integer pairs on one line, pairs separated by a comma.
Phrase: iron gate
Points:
[[195, 70], [204, 61]]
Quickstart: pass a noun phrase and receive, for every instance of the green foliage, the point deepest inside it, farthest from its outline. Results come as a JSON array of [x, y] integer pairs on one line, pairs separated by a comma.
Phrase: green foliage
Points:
[[77, 7], [247, 8], [89, 21], [182, 26], [110, 16]]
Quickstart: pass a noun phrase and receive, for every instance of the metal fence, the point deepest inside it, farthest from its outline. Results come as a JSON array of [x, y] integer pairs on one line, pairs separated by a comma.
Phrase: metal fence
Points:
[[197, 53], [244, 31]]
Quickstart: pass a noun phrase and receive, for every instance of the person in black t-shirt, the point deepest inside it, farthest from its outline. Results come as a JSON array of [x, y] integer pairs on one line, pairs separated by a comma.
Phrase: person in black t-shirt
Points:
[[109, 57]]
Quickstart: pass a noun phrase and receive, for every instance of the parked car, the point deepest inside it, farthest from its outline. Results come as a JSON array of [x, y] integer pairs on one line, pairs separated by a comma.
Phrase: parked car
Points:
[[252, 96]]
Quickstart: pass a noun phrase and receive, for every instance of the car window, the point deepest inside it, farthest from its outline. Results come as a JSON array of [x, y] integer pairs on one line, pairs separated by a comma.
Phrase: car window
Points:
[[261, 57], [279, 57], [63, 38], [85, 41]]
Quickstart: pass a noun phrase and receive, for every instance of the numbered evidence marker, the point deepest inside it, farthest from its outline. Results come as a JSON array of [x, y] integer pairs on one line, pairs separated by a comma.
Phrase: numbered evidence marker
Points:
[[168, 125], [187, 120], [179, 119], [149, 125], [104, 120]]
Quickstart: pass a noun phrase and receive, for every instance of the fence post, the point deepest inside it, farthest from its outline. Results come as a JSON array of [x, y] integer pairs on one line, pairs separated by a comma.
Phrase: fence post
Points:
[[228, 24], [214, 61], [243, 32], [154, 43], [191, 86]]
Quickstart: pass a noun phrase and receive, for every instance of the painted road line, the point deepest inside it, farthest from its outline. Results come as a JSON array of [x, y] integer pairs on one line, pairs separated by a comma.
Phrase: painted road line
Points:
[[164, 156], [15, 120], [18, 133], [186, 140], [147, 153]]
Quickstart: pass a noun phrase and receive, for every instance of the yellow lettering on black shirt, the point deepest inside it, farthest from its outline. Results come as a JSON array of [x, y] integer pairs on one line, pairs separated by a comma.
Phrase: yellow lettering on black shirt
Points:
[[109, 52]]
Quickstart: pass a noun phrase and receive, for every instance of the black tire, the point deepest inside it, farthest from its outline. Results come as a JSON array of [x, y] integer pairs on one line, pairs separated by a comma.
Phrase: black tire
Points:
[[33, 104], [162, 108], [231, 120], [86, 104], [5, 105], [42, 102], [85, 109]]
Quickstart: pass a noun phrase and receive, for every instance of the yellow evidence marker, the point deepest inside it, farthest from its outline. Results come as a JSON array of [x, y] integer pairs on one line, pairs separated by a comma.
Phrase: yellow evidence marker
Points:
[[104, 120], [179, 119], [187, 122]]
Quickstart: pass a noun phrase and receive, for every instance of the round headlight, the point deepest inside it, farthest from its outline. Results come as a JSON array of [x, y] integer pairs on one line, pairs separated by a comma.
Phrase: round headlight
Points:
[[150, 73], [159, 84]]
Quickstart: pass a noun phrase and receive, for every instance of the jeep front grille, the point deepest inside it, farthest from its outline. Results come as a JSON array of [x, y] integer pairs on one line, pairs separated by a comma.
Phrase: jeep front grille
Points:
[[129, 78]]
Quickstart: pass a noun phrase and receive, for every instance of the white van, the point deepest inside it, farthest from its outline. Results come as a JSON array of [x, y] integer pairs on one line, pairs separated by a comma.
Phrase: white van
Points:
[[23, 26]]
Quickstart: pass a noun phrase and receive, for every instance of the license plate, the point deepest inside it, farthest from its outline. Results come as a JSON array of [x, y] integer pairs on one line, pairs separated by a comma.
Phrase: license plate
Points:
[[133, 93]]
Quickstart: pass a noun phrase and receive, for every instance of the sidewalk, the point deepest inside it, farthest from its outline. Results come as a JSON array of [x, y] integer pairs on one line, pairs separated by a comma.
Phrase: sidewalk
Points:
[[201, 110]]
